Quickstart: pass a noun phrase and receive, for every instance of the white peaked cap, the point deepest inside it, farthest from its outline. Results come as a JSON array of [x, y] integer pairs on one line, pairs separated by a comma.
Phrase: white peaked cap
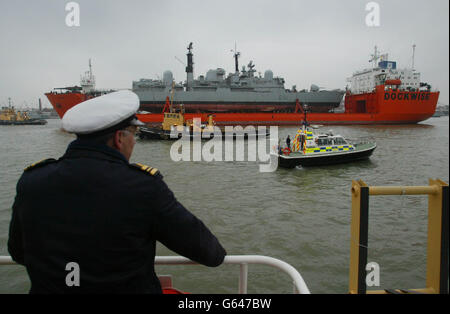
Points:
[[102, 113]]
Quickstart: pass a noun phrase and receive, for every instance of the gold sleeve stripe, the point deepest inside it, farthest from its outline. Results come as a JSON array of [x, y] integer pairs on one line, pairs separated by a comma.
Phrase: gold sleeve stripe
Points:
[[148, 169]]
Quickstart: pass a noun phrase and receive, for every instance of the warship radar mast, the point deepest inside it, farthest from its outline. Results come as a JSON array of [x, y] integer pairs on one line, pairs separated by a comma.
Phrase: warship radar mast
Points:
[[236, 58], [189, 68]]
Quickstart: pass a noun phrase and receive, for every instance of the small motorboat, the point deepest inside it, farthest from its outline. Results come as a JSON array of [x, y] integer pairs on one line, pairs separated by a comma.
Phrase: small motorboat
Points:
[[310, 149]]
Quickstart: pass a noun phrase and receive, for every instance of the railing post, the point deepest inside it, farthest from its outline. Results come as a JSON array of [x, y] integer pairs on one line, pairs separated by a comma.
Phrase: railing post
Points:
[[359, 237], [243, 276], [438, 239]]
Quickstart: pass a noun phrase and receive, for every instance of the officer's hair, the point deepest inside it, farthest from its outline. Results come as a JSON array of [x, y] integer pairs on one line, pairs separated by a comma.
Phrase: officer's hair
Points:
[[98, 139]]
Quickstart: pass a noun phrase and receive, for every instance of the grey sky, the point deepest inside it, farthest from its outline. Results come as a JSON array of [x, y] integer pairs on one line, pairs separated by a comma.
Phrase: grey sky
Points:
[[321, 42]]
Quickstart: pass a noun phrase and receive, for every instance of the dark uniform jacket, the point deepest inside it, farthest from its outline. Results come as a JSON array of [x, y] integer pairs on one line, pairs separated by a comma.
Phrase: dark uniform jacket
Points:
[[93, 208]]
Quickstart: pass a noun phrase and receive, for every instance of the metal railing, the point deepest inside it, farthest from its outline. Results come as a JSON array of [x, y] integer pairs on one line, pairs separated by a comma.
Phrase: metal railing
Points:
[[243, 261]]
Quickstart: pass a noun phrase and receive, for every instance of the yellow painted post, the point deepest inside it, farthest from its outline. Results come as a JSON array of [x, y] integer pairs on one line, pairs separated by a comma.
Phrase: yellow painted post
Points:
[[359, 237], [354, 239], [438, 234], [437, 249]]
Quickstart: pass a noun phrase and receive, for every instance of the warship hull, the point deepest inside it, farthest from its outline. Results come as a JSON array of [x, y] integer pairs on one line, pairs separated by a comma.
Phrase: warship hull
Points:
[[318, 102], [230, 101]]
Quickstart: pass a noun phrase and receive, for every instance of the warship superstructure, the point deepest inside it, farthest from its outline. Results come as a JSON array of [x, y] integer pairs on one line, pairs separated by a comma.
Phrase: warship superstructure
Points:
[[239, 91]]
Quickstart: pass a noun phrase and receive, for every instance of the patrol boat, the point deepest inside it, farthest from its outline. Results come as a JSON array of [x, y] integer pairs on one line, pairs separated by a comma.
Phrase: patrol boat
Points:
[[311, 149]]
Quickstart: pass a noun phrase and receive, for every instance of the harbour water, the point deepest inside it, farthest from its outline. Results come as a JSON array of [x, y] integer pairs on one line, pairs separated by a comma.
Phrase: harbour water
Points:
[[301, 216]]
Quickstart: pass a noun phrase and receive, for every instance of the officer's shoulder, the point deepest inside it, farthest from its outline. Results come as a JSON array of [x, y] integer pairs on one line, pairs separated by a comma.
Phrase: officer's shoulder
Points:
[[146, 169], [40, 164]]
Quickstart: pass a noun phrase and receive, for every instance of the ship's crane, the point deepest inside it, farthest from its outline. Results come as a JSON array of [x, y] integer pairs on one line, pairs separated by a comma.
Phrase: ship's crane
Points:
[[180, 61]]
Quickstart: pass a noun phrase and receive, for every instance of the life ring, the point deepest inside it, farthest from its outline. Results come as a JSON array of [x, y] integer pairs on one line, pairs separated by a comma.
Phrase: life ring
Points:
[[286, 151]]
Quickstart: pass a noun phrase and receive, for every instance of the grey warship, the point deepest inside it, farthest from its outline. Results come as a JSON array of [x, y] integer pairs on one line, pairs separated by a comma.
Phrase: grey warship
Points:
[[241, 91]]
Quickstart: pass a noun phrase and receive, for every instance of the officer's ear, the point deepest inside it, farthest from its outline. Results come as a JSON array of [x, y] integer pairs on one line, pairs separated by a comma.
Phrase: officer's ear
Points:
[[118, 139]]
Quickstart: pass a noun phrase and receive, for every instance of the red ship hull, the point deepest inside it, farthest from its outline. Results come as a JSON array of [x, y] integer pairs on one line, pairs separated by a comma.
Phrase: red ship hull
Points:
[[62, 102], [379, 107], [392, 106]]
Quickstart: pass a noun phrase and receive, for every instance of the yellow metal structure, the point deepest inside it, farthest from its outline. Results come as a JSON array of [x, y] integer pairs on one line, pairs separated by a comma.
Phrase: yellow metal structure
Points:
[[176, 119], [9, 114], [172, 119], [438, 234]]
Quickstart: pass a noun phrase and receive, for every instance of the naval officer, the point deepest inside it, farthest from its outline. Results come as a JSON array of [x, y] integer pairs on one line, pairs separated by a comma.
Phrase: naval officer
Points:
[[89, 221]]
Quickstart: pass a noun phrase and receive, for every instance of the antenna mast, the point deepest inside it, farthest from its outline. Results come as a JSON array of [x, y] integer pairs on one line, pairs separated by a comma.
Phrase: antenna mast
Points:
[[236, 58], [189, 68], [413, 56], [375, 58]]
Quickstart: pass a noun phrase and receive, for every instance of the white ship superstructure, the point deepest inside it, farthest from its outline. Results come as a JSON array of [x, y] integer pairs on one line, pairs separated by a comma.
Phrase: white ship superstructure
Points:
[[87, 81], [385, 72]]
